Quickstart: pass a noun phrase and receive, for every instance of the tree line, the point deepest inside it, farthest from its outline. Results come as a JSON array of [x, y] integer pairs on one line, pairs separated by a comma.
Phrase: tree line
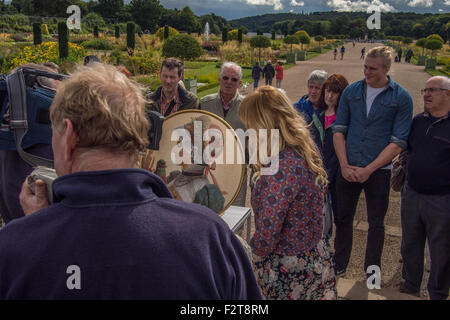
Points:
[[150, 15], [351, 24]]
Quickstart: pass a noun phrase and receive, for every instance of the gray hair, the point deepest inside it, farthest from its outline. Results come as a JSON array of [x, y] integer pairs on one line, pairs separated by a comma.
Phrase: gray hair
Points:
[[445, 81], [319, 76], [231, 65]]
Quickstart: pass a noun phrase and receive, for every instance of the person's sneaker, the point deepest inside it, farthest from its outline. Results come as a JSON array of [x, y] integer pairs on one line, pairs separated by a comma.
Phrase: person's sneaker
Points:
[[405, 289]]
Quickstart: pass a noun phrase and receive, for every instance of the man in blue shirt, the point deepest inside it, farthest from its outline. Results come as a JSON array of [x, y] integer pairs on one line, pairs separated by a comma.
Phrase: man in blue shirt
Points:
[[372, 126], [113, 230]]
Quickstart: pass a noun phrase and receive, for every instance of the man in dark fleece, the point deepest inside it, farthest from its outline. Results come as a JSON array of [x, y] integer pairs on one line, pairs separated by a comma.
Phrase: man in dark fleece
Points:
[[113, 230]]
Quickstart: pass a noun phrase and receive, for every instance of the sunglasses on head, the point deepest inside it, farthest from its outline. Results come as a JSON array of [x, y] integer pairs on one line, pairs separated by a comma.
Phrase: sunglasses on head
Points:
[[226, 78]]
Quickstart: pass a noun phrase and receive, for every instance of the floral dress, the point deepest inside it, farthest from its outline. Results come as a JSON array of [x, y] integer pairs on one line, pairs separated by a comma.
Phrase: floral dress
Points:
[[291, 260]]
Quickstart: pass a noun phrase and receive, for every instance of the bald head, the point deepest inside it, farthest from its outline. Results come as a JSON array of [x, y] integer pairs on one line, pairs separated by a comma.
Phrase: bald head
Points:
[[445, 81], [436, 96]]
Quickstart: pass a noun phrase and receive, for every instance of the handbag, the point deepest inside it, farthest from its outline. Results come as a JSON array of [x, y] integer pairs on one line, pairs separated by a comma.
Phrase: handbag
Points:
[[398, 172]]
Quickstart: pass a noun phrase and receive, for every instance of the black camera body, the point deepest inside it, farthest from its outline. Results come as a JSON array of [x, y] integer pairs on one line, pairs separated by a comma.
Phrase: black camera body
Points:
[[155, 132]]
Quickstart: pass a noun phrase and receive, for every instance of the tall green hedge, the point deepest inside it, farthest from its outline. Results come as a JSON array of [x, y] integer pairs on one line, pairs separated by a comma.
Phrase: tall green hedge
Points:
[[63, 40], [96, 31], [131, 40], [37, 33]]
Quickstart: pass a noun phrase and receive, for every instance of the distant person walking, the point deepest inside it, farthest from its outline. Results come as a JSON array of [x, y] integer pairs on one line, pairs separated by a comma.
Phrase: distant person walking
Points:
[[268, 73], [342, 52], [256, 74], [363, 53], [335, 53], [279, 76]]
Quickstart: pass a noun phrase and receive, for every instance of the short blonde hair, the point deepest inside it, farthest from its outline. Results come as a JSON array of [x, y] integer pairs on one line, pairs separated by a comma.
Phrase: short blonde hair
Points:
[[105, 108], [268, 108], [381, 52]]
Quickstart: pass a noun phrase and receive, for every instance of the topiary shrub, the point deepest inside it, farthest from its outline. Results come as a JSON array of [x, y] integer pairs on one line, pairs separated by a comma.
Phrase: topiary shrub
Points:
[[63, 40], [182, 46]]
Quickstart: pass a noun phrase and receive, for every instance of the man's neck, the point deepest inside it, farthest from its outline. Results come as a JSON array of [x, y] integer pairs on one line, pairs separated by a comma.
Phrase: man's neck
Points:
[[98, 160], [227, 98], [438, 113], [168, 95]]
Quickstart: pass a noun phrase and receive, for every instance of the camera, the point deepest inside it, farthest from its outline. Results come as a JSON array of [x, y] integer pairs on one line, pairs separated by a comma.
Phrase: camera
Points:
[[45, 174]]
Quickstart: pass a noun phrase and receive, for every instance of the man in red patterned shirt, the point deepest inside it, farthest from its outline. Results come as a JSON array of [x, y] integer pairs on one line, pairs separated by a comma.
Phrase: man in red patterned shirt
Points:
[[171, 96]]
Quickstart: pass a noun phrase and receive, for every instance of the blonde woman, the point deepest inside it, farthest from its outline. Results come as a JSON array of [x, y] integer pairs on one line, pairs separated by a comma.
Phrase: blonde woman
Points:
[[290, 258]]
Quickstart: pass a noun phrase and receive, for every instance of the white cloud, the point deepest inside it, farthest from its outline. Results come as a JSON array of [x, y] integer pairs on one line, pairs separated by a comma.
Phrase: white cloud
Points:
[[359, 5], [420, 3], [447, 2], [277, 5], [301, 3]]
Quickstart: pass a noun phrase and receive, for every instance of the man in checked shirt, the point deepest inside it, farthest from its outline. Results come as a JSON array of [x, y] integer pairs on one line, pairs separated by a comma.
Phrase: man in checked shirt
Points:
[[171, 96]]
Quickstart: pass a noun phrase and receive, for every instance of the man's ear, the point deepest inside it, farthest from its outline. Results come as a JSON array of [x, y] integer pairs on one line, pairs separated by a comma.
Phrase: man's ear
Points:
[[70, 139]]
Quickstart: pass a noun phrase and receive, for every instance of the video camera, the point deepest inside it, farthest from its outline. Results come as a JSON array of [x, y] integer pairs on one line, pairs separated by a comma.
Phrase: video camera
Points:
[[25, 103]]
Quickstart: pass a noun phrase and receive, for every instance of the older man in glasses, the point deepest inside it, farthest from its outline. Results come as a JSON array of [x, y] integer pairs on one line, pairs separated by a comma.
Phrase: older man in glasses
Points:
[[426, 195], [225, 104]]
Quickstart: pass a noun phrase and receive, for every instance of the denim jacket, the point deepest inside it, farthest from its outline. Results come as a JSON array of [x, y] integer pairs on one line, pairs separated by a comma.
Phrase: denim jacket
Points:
[[389, 120]]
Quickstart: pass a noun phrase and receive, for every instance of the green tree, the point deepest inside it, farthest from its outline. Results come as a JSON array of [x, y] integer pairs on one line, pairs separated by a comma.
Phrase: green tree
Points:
[[259, 42], [421, 43], [224, 35], [188, 21], [418, 30], [433, 45], [232, 34], [240, 35], [37, 33], [182, 46], [291, 39], [63, 40], [146, 13], [303, 37], [96, 31], [435, 37], [93, 19], [160, 32], [109, 8], [117, 32], [407, 41], [319, 39], [131, 37]]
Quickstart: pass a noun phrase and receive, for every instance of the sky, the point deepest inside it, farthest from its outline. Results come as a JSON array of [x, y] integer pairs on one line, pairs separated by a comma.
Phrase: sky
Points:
[[234, 9]]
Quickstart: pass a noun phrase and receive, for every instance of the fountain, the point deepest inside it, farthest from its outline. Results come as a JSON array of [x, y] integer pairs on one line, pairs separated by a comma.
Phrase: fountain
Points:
[[207, 31]]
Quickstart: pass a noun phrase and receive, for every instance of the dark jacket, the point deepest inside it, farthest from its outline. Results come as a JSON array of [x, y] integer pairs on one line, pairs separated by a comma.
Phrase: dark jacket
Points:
[[188, 100], [256, 72], [129, 240], [268, 71]]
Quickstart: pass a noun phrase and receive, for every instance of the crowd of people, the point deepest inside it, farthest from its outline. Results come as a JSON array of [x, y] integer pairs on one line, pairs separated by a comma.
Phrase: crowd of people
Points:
[[120, 226]]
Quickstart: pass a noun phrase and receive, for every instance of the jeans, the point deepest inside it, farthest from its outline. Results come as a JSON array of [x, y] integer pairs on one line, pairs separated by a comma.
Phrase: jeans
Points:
[[426, 217], [255, 83], [269, 81], [376, 190]]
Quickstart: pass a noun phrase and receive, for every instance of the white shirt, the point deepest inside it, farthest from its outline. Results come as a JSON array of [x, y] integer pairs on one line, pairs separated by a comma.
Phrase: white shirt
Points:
[[372, 93]]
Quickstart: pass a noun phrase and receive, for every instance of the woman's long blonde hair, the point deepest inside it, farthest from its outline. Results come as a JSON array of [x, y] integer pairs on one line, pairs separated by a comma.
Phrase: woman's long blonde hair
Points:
[[268, 108]]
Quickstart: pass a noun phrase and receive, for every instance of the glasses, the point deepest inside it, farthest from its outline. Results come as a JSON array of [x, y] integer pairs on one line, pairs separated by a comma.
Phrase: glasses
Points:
[[431, 90], [226, 78]]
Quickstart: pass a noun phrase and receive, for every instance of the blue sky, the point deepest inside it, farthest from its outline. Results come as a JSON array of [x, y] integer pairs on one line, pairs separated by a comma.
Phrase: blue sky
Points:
[[233, 9]]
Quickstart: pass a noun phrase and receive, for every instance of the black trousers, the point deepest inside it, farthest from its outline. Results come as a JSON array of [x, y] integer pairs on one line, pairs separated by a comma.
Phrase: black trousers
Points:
[[376, 190], [426, 217]]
